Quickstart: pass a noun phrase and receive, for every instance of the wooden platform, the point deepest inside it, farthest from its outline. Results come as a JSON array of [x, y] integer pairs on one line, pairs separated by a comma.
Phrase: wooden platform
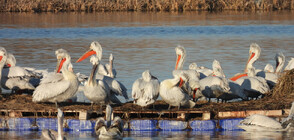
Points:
[[129, 115]]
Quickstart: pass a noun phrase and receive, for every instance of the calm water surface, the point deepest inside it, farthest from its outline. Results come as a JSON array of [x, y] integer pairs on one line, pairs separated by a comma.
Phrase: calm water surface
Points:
[[141, 41]]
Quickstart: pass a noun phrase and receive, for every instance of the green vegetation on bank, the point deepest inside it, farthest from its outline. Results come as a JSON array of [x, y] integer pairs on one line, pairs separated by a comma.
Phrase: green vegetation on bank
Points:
[[141, 5]]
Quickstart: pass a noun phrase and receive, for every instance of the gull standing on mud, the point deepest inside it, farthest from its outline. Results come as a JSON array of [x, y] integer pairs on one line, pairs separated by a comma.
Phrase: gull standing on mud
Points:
[[145, 90], [116, 88], [58, 87], [110, 130]]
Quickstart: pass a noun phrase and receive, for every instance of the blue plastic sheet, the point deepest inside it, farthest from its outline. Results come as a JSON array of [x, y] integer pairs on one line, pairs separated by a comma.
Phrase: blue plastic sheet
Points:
[[199, 125], [230, 124], [172, 125], [143, 125]]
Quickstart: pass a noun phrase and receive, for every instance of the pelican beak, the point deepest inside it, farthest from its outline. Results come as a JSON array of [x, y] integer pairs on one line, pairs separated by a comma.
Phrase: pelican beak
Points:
[[181, 82], [1, 58], [194, 93], [86, 55], [178, 60], [249, 59], [59, 64]]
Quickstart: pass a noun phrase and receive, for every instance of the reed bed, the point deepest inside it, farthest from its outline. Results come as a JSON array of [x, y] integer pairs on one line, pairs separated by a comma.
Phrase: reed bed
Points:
[[141, 5]]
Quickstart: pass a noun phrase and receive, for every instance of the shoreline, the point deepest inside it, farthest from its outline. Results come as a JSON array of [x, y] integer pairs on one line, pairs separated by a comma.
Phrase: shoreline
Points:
[[142, 5]]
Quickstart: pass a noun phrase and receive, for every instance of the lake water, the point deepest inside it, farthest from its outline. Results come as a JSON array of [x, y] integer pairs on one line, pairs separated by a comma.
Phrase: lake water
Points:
[[141, 41]]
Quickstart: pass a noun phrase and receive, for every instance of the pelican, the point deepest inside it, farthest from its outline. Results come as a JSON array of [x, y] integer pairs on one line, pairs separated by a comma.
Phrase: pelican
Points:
[[108, 130], [290, 64], [96, 91], [145, 90], [269, 68], [214, 86], [272, 77], [254, 53], [3, 57], [171, 92], [48, 134], [235, 89], [107, 69], [252, 85], [203, 71], [115, 86], [280, 62], [20, 78], [263, 123], [58, 87]]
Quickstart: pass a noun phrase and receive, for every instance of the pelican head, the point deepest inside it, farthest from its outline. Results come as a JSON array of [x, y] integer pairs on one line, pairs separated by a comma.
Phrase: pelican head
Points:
[[193, 66], [108, 114], [146, 75], [111, 57], [95, 48], [181, 55], [63, 59], [217, 69], [254, 53], [268, 68], [10, 61], [280, 61]]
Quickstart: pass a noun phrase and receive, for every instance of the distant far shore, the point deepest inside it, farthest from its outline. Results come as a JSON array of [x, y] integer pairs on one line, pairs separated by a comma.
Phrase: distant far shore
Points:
[[142, 5]]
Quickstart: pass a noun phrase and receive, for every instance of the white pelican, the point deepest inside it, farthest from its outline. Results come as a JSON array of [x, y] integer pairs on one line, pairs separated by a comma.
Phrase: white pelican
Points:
[[263, 123], [115, 86], [52, 134], [108, 130], [252, 85], [145, 90], [214, 86], [280, 62], [20, 78], [171, 92], [254, 53], [203, 71], [272, 77], [235, 89], [58, 87], [290, 64], [97, 91], [191, 85], [3, 57], [107, 69], [269, 68]]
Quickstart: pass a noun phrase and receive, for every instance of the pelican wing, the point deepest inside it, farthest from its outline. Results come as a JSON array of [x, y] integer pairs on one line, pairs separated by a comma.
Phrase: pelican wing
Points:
[[49, 90], [261, 120], [15, 72], [52, 77], [136, 90], [102, 70]]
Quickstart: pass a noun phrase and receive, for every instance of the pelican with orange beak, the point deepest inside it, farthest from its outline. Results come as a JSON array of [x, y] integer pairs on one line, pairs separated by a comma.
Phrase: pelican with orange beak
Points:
[[254, 53], [58, 87], [116, 88]]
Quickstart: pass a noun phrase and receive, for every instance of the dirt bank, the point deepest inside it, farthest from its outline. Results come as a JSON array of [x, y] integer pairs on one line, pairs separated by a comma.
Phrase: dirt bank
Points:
[[141, 5]]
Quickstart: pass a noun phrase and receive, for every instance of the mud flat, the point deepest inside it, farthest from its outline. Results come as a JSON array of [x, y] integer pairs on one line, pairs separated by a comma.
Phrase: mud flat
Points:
[[141, 5]]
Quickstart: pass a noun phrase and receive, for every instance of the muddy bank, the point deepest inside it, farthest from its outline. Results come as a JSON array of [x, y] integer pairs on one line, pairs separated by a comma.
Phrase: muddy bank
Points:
[[141, 5]]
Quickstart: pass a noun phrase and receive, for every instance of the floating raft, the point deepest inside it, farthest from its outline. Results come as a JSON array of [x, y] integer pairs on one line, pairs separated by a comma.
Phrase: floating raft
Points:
[[25, 120]]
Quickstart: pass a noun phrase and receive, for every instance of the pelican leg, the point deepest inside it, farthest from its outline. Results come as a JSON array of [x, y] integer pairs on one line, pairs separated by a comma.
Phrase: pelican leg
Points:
[[92, 105], [56, 104], [179, 107], [168, 107], [100, 110]]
